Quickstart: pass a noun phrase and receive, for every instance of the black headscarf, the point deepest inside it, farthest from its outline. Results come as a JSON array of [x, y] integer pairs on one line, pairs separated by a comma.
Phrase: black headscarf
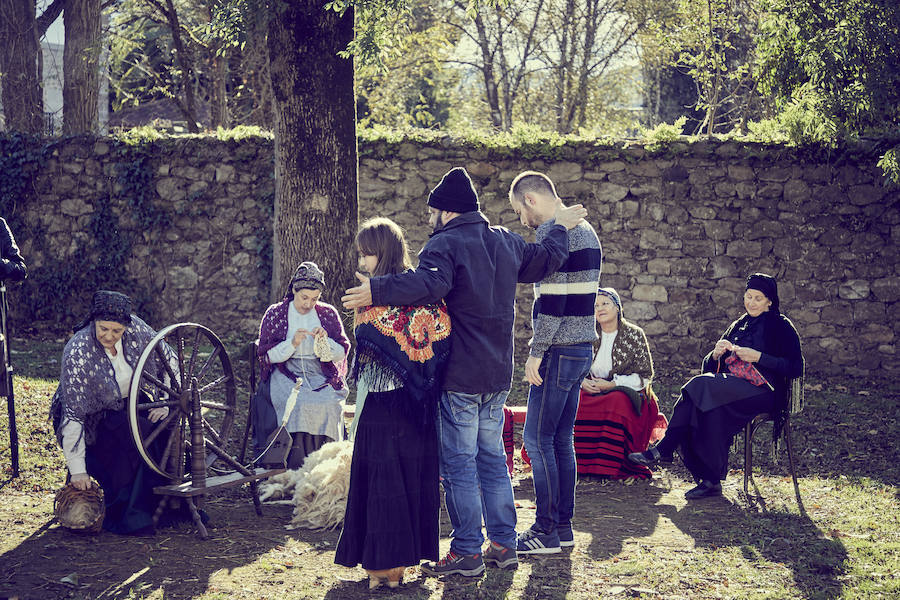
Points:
[[109, 306], [768, 286]]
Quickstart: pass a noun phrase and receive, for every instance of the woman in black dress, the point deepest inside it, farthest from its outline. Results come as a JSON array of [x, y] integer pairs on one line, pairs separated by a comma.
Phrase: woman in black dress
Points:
[[393, 504], [716, 405]]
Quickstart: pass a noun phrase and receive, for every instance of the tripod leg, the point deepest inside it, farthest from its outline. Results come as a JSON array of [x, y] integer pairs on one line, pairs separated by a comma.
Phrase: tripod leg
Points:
[[13, 433]]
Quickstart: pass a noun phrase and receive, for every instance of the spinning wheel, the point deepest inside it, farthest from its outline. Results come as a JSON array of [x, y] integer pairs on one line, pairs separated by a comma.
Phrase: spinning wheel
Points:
[[186, 369], [193, 365]]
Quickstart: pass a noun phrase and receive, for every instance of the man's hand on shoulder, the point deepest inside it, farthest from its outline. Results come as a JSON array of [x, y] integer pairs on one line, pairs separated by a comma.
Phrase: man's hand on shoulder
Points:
[[359, 296], [570, 216]]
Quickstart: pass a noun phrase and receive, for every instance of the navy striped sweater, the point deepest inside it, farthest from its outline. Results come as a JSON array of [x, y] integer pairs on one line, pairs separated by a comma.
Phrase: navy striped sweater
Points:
[[563, 310]]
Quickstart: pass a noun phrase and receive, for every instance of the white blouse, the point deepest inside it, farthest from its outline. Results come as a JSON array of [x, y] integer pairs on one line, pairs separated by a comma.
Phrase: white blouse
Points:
[[602, 364], [72, 430], [285, 350]]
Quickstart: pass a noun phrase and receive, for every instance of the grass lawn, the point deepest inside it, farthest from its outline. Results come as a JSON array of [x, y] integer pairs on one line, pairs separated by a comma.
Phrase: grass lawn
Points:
[[640, 540]]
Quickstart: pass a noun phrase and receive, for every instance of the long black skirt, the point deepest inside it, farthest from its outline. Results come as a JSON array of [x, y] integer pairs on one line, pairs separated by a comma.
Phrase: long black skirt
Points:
[[712, 409], [127, 481], [393, 503]]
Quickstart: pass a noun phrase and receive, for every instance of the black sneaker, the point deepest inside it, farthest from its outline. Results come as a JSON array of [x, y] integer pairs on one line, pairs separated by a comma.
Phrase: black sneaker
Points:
[[535, 542], [455, 564], [501, 556]]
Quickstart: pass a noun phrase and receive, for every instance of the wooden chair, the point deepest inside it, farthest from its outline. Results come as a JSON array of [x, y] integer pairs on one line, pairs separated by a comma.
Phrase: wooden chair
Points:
[[795, 406]]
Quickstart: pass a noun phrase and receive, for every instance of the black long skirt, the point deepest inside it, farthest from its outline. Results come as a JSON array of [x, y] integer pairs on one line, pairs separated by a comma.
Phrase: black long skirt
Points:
[[393, 503], [127, 481], [712, 409]]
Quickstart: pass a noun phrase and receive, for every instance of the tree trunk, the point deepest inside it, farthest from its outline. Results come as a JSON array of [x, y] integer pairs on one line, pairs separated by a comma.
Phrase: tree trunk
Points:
[[185, 59], [81, 85], [23, 101], [316, 187], [218, 100]]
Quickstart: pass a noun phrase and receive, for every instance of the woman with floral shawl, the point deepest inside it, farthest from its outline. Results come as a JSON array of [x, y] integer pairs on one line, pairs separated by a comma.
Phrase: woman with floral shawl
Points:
[[391, 520]]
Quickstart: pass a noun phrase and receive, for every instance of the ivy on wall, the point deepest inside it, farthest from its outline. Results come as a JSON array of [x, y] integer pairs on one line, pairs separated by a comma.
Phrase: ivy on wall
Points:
[[99, 259]]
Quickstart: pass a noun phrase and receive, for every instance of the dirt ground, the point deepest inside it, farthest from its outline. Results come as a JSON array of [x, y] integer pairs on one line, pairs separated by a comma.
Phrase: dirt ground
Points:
[[256, 557], [638, 540]]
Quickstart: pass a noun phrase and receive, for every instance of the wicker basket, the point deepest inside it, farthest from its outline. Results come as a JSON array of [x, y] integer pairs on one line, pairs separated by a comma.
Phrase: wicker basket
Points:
[[80, 510]]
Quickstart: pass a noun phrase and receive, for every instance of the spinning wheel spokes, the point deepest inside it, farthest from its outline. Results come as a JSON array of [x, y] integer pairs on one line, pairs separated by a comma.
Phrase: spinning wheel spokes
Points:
[[167, 375]]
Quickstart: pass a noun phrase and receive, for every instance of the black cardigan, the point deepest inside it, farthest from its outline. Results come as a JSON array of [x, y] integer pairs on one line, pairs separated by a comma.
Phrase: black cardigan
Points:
[[780, 362]]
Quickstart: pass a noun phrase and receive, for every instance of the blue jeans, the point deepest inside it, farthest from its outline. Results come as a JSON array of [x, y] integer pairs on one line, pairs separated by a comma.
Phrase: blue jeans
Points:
[[473, 467], [550, 431]]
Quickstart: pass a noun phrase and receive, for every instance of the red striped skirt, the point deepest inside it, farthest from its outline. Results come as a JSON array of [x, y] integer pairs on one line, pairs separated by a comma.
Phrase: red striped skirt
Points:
[[607, 429]]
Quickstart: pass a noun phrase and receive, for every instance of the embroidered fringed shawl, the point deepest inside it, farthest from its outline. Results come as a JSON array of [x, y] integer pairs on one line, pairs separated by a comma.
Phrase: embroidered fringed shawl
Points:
[[273, 331], [409, 344], [87, 381]]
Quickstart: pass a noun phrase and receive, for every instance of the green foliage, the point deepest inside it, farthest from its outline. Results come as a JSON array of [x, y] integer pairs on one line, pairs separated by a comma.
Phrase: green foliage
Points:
[[243, 132], [137, 136], [802, 121], [845, 52], [890, 165], [665, 133]]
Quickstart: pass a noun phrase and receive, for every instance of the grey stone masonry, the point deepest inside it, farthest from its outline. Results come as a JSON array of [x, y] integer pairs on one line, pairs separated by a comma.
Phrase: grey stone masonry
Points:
[[681, 228]]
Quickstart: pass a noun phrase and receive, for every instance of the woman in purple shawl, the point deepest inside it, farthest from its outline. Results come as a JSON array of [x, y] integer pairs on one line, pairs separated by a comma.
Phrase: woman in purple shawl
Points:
[[288, 351]]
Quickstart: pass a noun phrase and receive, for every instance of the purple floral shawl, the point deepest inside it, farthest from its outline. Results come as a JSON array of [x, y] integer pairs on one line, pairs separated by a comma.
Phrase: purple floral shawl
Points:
[[87, 381], [273, 331]]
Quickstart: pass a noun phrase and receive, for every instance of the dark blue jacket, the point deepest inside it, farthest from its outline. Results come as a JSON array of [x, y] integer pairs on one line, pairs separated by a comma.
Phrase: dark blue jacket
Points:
[[474, 267]]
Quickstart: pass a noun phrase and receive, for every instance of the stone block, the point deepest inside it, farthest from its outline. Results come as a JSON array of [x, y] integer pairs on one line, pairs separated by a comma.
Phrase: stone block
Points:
[[656, 266], [861, 195], [854, 289], [796, 191], [835, 237], [702, 212], [743, 249], [75, 207], [720, 266], [183, 278], [627, 209], [676, 215], [770, 190], [887, 289], [740, 173], [868, 312], [169, 189], [717, 230], [612, 166], [610, 192], [564, 172], [676, 173], [644, 168], [775, 174], [639, 310], [224, 173], [650, 293], [646, 188], [725, 189]]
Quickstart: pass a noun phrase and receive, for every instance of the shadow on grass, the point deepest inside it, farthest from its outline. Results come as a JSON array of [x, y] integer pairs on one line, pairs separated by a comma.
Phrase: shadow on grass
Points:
[[105, 565], [793, 540]]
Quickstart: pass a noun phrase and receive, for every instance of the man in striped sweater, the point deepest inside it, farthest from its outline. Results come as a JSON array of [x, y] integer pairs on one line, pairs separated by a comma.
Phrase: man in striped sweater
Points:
[[563, 333]]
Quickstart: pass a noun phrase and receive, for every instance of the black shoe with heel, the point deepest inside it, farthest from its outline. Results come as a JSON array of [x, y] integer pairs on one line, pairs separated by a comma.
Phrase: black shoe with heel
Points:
[[706, 489]]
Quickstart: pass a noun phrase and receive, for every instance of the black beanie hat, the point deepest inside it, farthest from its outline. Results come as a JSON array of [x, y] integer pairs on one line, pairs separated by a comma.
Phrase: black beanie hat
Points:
[[454, 193]]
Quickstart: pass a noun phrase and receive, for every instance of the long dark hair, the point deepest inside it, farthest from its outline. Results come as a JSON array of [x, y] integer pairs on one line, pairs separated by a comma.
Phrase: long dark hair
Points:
[[383, 238]]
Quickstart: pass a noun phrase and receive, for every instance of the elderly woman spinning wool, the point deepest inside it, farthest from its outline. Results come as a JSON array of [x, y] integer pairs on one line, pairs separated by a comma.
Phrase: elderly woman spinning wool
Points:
[[303, 339], [89, 416]]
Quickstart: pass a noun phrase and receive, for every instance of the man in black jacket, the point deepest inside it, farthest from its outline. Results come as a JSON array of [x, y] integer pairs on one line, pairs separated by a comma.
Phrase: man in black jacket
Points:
[[474, 267], [12, 268], [12, 265]]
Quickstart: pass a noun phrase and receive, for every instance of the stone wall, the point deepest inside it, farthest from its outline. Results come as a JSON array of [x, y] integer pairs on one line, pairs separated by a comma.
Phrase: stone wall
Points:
[[681, 228]]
